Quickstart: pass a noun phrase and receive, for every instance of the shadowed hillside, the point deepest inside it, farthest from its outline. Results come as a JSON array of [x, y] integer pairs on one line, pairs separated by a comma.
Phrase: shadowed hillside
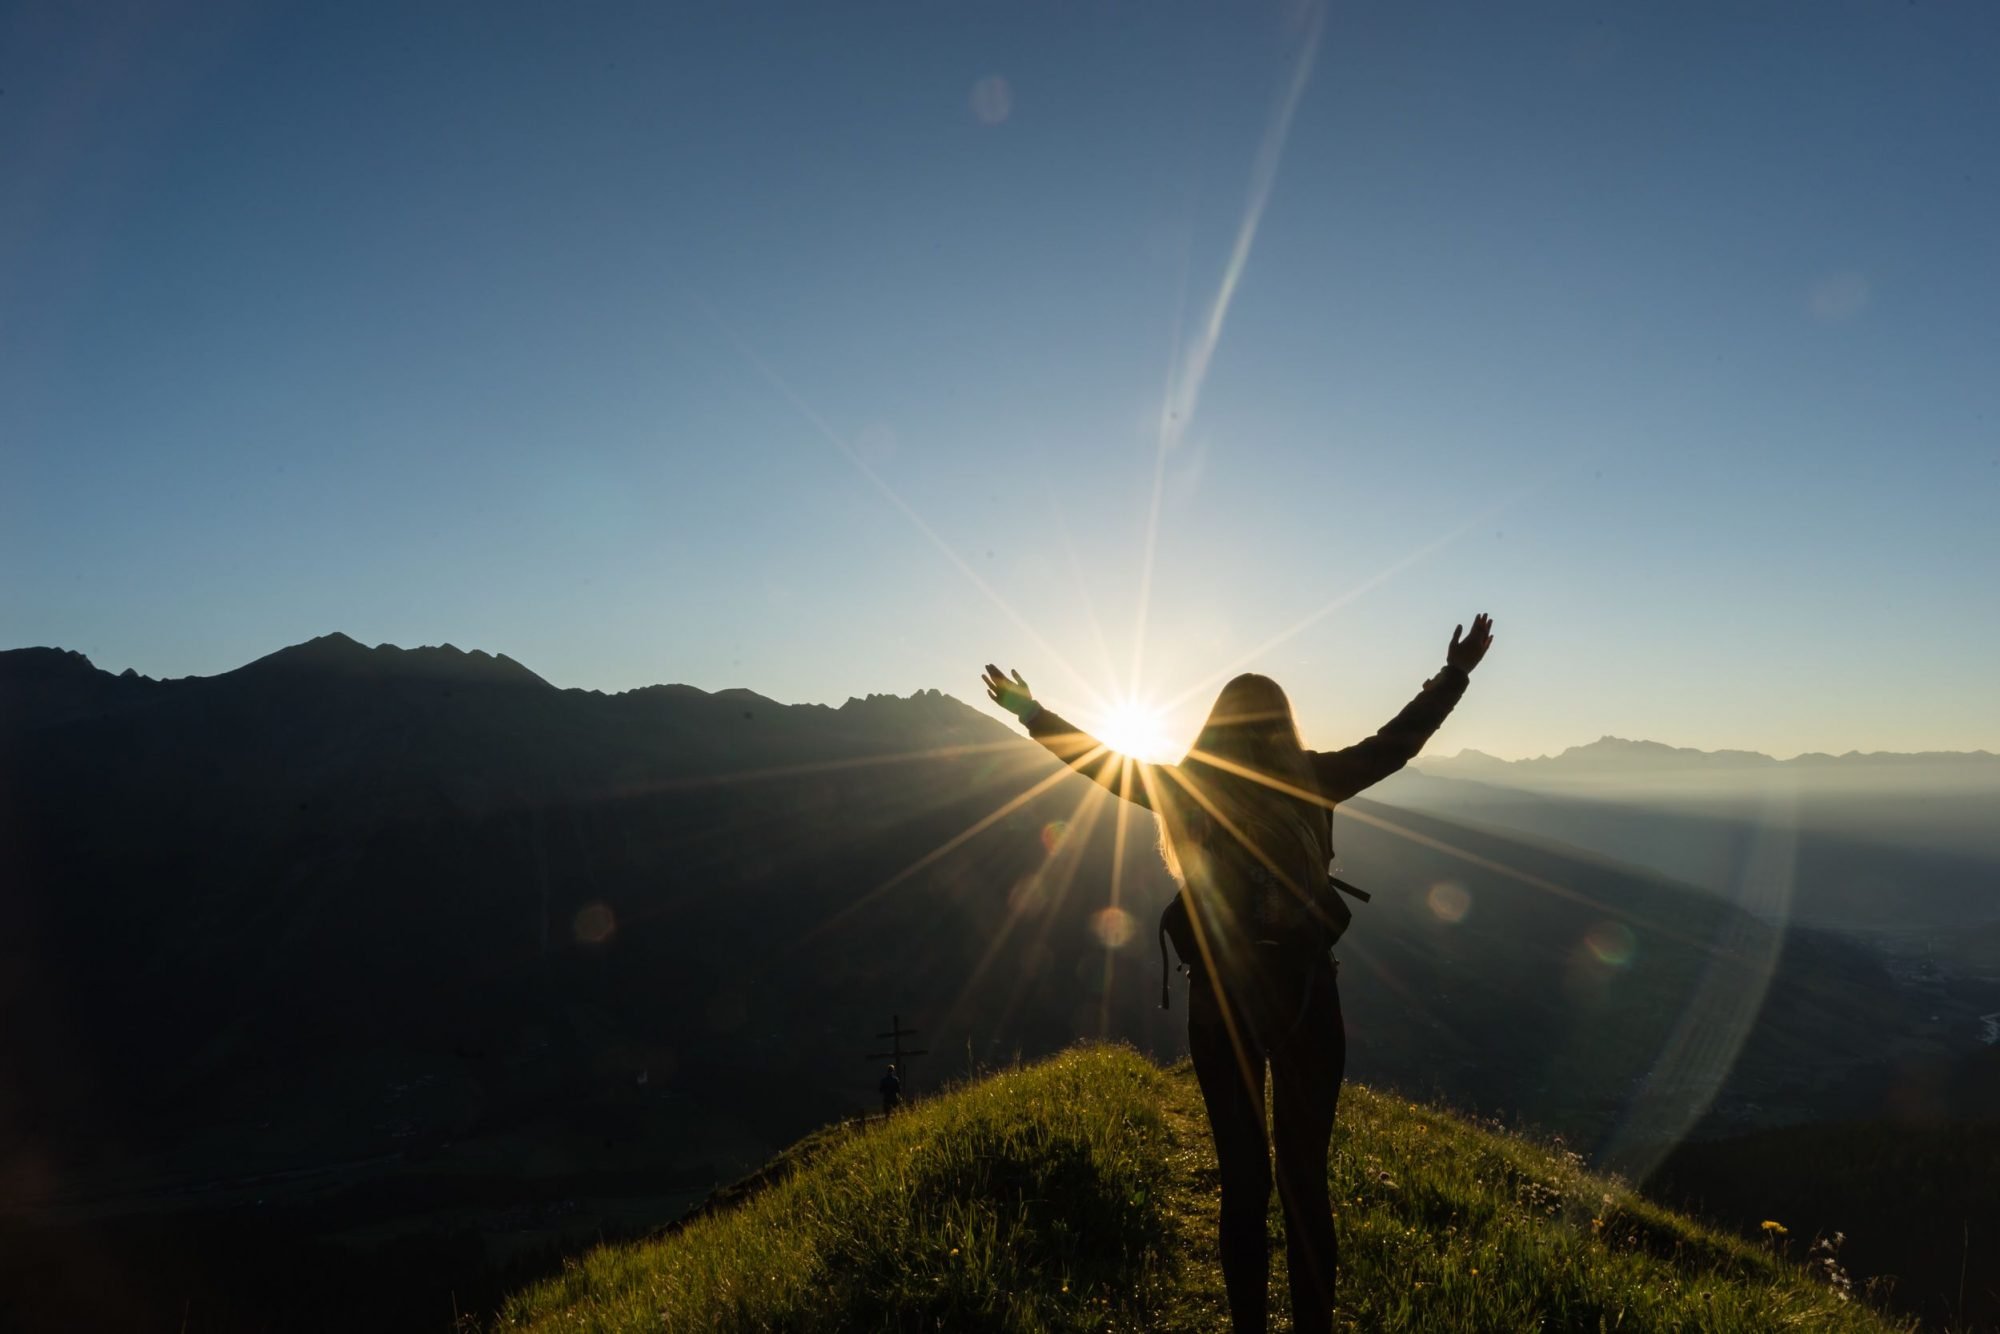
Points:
[[1920, 1205], [430, 952]]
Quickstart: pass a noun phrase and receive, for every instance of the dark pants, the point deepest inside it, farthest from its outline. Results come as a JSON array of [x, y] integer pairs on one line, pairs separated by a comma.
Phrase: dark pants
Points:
[[1306, 1063]]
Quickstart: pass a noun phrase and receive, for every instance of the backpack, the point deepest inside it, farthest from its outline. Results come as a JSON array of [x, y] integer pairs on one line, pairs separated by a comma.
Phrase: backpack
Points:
[[1300, 934]]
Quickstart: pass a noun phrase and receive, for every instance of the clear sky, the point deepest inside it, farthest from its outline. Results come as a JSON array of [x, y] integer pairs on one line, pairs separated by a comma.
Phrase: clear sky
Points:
[[834, 349]]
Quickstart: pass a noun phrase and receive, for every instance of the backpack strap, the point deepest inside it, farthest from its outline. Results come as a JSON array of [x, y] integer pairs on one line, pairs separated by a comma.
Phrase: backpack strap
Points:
[[1175, 926], [1352, 891]]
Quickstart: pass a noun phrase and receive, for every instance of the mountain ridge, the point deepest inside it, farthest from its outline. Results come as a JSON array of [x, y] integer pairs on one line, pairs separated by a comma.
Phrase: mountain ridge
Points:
[[1616, 752], [337, 654]]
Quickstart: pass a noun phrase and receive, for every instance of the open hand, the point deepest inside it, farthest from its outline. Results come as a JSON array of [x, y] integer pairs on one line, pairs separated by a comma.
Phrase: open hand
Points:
[[1011, 695], [1465, 653]]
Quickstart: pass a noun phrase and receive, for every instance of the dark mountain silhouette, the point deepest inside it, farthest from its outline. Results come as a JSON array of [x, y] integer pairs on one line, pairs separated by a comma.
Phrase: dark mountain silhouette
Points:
[[382, 933], [338, 655], [337, 852]]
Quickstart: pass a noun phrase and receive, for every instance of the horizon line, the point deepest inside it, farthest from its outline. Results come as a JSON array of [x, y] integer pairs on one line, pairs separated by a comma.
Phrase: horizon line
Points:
[[446, 645]]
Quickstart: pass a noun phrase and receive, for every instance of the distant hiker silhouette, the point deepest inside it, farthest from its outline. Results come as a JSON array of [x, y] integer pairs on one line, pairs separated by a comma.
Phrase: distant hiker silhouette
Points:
[[891, 1089], [1246, 827]]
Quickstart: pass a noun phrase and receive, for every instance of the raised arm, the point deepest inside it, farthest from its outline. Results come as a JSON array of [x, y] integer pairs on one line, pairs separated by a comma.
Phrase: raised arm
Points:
[[1073, 746], [1342, 773]]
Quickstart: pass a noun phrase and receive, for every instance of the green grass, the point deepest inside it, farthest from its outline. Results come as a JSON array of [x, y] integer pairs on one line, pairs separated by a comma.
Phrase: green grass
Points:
[[1079, 1194]]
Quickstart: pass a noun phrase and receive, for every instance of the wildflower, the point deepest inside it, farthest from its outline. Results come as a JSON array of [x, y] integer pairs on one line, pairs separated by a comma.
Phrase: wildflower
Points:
[[954, 1250], [1775, 1228]]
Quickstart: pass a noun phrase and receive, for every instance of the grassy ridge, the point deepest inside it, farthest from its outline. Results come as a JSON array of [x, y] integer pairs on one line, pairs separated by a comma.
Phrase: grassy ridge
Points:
[[1079, 1194], [1028, 1201], [1449, 1226]]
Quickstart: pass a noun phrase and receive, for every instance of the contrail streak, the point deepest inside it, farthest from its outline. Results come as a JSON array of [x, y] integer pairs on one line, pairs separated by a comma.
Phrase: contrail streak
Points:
[[1187, 370], [1160, 448], [1263, 174]]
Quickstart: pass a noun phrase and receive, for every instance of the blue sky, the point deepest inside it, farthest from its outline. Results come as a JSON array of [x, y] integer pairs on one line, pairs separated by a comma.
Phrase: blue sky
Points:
[[823, 350]]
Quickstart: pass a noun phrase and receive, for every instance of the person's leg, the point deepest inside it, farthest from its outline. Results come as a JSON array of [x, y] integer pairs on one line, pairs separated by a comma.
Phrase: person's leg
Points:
[[1306, 1068], [1232, 1087]]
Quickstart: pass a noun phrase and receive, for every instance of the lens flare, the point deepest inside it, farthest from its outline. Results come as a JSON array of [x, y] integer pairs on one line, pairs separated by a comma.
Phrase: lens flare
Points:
[[1114, 928], [1029, 895], [992, 100], [594, 924], [1612, 942], [1053, 834], [1449, 902]]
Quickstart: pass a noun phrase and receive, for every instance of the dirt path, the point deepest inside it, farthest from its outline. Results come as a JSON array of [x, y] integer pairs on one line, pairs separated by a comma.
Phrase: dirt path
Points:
[[1197, 1301]]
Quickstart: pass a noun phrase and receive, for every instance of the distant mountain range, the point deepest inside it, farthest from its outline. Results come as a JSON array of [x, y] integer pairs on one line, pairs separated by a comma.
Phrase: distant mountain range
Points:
[[1617, 755], [1898, 843]]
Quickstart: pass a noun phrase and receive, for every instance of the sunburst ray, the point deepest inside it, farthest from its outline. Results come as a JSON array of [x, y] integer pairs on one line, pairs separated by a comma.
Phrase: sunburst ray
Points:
[[951, 844], [1119, 831], [1325, 609], [902, 506], [1059, 876], [1207, 949], [705, 781]]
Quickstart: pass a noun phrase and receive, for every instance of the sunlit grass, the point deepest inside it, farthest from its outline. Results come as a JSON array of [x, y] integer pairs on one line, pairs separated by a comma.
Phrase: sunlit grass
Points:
[[1449, 1226], [1031, 1201], [1080, 1194]]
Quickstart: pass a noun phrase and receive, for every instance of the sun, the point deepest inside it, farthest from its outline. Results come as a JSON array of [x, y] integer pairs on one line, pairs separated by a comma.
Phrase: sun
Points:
[[1137, 729]]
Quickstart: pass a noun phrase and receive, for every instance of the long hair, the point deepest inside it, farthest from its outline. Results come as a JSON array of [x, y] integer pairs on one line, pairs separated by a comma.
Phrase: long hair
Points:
[[1239, 787]]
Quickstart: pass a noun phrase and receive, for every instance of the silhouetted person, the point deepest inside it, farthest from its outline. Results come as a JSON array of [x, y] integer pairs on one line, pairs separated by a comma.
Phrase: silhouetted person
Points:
[[891, 1089], [1246, 828]]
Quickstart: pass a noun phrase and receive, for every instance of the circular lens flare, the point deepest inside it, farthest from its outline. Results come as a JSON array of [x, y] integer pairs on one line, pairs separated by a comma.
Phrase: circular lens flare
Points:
[[992, 100], [1449, 902], [1613, 943], [1113, 927], [594, 924]]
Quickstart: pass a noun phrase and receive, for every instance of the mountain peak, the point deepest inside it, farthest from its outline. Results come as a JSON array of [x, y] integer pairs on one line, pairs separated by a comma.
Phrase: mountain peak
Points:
[[45, 664], [932, 701], [1476, 759], [337, 654]]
